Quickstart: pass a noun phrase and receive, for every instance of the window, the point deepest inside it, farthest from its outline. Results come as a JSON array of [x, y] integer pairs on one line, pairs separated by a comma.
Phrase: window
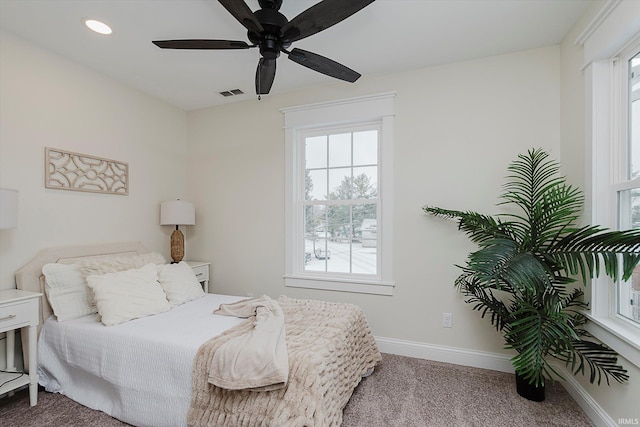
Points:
[[626, 176], [340, 200], [611, 52], [339, 195]]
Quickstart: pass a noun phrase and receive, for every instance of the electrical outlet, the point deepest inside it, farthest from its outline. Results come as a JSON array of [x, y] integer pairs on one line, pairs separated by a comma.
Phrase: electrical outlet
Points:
[[447, 320]]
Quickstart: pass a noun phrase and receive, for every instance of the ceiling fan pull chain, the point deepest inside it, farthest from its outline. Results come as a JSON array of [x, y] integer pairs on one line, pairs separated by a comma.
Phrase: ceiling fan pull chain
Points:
[[259, 80]]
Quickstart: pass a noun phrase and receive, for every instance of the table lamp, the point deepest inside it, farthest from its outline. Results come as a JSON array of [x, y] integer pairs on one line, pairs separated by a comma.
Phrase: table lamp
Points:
[[177, 212]]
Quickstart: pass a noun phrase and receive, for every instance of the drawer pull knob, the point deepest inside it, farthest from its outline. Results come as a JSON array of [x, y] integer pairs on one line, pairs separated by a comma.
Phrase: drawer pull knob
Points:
[[199, 274], [11, 316]]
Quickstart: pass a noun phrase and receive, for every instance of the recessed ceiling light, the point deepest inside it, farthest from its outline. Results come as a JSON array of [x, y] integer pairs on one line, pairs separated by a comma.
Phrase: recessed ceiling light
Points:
[[97, 26]]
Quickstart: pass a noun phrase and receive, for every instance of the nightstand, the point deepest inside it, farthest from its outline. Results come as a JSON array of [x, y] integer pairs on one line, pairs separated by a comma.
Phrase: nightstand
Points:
[[20, 309], [201, 269]]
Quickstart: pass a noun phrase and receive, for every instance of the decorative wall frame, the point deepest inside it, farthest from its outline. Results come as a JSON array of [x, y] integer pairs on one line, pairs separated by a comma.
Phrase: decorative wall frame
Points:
[[66, 170]]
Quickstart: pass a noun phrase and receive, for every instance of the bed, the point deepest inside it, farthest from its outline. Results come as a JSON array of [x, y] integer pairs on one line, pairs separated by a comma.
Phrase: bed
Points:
[[151, 371]]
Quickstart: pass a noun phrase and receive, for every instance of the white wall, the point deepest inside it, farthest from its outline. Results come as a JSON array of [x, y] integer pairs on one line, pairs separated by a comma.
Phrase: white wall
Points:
[[46, 100], [457, 128]]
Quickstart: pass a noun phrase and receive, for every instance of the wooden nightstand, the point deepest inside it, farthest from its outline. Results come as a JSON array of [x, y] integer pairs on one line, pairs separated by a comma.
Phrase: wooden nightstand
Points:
[[201, 269], [20, 309]]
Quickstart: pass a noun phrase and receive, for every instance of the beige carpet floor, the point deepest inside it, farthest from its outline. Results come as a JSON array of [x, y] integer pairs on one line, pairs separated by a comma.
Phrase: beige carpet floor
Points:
[[402, 392]]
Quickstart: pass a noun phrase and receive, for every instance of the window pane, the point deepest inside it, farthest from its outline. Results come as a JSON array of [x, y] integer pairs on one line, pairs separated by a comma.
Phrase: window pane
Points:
[[366, 238], [316, 253], [339, 221], [368, 228], [316, 185], [629, 291], [340, 184], [635, 295], [365, 182], [364, 259], [315, 152], [634, 117], [314, 221], [629, 208], [629, 297], [364, 219], [340, 150], [340, 256], [365, 148]]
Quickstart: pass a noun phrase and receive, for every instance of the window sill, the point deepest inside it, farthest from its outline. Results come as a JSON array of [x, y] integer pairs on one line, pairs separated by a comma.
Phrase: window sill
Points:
[[617, 334], [341, 285]]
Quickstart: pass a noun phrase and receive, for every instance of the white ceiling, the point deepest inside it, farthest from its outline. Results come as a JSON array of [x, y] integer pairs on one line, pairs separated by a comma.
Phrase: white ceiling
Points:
[[385, 37]]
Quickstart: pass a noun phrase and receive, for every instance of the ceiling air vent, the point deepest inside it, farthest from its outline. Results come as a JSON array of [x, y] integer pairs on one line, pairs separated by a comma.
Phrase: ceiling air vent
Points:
[[232, 92]]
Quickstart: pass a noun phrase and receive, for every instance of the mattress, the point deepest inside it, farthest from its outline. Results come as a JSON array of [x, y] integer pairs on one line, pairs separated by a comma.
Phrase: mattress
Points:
[[138, 371]]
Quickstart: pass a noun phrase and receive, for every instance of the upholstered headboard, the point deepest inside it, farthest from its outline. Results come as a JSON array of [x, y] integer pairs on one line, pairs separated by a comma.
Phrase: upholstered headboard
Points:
[[30, 277]]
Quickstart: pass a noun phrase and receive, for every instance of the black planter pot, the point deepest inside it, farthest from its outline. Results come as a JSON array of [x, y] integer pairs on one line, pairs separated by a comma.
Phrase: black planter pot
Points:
[[529, 391]]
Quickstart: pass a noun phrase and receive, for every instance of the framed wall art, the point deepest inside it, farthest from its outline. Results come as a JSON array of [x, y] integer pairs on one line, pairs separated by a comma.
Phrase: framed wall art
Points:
[[66, 170]]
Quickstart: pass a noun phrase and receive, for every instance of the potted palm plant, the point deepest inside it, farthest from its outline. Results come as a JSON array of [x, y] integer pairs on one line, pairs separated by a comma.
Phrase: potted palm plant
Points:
[[523, 275]]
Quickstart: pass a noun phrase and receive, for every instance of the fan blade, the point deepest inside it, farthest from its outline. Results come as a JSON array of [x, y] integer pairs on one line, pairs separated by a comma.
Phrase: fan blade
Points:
[[265, 74], [244, 15], [320, 16], [323, 65], [201, 44]]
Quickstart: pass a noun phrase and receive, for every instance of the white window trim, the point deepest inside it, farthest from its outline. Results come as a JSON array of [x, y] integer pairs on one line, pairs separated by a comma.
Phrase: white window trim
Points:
[[608, 34], [335, 113]]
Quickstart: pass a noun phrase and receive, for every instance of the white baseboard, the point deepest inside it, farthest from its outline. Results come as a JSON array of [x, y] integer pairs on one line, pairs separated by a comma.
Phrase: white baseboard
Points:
[[439, 353], [493, 361], [590, 407]]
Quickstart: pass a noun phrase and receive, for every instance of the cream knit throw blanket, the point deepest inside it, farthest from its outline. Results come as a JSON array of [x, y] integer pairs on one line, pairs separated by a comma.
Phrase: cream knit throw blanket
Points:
[[258, 360], [330, 348]]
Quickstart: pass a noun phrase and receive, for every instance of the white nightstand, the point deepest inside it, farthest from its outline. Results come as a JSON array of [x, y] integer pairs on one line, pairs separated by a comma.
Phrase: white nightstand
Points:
[[201, 269], [19, 309]]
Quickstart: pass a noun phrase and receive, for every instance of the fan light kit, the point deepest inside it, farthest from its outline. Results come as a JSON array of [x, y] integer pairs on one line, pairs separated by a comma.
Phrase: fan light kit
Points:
[[97, 26], [273, 33]]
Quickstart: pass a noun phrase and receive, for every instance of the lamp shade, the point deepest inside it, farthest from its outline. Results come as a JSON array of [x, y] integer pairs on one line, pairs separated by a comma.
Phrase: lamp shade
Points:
[[8, 208], [177, 212]]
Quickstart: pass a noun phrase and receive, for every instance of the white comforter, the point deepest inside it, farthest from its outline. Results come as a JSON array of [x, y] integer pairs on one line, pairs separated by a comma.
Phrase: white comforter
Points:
[[139, 371]]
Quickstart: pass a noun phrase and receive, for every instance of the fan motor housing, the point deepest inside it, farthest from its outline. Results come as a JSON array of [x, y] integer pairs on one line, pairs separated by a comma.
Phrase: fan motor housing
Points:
[[269, 47], [269, 40], [270, 4]]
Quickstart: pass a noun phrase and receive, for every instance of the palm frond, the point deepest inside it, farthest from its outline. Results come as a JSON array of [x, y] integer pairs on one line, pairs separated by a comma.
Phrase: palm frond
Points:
[[601, 361], [498, 262], [549, 205], [485, 302], [477, 226], [531, 174], [583, 250]]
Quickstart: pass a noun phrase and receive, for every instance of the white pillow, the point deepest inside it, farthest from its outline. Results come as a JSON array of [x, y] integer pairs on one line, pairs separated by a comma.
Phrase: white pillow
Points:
[[67, 291], [179, 283], [128, 295], [111, 263]]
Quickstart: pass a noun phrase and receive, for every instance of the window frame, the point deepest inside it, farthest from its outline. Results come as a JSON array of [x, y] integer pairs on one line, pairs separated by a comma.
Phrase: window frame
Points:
[[348, 113], [605, 42]]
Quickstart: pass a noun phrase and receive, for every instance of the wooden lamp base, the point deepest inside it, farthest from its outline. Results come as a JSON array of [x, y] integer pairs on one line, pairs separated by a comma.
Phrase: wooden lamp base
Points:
[[177, 245]]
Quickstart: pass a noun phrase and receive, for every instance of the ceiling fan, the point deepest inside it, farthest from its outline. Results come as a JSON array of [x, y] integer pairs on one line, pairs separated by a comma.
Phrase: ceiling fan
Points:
[[273, 33]]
